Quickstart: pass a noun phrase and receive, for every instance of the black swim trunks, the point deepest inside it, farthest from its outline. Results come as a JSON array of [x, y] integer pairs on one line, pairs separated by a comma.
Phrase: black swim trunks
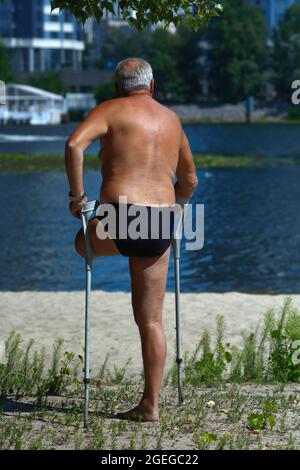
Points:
[[144, 231]]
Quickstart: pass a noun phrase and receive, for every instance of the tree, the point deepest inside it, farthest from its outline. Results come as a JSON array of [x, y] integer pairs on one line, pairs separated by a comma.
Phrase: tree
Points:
[[50, 81], [5, 67], [105, 91], [286, 55], [139, 13], [160, 47], [237, 52], [173, 56], [189, 63]]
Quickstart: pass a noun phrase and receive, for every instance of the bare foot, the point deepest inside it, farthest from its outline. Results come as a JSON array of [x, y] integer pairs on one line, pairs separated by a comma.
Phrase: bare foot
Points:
[[141, 412]]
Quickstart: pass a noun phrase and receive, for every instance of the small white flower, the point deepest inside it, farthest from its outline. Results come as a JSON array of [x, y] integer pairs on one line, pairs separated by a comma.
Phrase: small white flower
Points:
[[210, 404]]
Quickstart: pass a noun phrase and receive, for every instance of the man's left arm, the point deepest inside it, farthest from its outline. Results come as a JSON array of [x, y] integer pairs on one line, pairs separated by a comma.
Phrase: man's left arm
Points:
[[94, 126]]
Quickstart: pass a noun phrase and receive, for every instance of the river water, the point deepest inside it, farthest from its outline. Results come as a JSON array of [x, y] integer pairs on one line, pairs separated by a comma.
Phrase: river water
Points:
[[257, 139], [252, 234]]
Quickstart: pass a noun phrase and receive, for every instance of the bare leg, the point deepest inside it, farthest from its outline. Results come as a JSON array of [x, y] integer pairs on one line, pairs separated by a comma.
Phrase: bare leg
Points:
[[100, 247], [148, 282]]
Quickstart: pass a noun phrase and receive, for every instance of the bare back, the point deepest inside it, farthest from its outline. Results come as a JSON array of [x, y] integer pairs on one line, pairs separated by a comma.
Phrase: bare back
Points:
[[139, 151]]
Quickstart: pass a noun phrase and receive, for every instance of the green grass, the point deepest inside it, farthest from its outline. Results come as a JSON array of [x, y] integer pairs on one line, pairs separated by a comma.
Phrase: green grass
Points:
[[267, 354], [241, 161], [31, 163], [235, 398]]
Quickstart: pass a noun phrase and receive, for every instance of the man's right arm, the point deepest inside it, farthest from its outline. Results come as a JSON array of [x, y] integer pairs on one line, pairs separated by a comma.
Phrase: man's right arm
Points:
[[186, 172]]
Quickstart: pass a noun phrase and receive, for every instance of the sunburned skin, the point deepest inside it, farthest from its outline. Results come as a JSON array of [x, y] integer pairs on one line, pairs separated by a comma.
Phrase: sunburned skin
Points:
[[140, 151]]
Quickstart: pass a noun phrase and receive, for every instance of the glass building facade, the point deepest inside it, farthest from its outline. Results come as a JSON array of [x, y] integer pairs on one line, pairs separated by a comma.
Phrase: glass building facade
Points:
[[273, 9], [38, 39]]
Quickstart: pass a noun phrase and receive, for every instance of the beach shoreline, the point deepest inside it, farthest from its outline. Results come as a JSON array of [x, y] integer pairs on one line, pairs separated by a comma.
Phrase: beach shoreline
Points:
[[48, 316]]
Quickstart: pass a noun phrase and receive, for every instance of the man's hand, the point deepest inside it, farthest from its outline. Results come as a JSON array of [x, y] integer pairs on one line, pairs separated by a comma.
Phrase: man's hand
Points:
[[75, 207]]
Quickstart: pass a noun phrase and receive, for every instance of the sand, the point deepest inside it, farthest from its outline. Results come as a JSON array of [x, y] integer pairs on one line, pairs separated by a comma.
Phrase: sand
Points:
[[46, 316]]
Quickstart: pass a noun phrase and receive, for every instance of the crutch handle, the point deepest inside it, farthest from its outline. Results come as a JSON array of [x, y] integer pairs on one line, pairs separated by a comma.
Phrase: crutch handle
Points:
[[89, 207]]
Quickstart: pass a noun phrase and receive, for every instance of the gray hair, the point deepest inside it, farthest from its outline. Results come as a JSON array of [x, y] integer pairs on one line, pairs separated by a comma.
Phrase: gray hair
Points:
[[133, 73]]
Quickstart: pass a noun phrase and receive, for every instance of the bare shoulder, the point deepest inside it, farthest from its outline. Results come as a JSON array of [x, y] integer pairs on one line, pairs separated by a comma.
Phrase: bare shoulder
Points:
[[104, 106], [103, 111], [171, 115]]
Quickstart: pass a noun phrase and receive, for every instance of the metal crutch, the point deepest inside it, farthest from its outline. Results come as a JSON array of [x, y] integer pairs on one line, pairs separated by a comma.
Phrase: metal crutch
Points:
[[86, 211], [176, 251]]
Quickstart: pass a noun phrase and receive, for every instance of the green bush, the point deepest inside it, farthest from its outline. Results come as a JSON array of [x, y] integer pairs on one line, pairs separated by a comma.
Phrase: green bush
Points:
[[267, 355], [105, 91], [294, 113], [259, 421], [50, 81], [24, 372], [76, 115], [286, 331]]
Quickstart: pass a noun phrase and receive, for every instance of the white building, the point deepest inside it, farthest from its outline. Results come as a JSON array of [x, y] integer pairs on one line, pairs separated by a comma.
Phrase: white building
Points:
[[27, 104]]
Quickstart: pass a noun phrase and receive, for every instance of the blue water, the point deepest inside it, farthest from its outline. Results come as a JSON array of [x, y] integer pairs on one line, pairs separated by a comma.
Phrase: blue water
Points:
[[252, 234], [268, 140]]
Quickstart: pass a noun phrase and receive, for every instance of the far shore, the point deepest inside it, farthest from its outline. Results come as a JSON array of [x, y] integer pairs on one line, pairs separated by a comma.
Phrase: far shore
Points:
[[32, 163], [228, 113]]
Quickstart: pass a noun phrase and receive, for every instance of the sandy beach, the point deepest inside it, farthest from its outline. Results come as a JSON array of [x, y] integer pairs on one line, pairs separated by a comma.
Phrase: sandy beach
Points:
[[46, 316]]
